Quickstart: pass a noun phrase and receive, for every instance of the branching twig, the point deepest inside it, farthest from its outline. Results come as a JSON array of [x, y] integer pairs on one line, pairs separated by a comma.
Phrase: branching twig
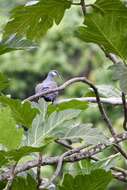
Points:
[[125, 111], [39, 171], [11, 178], [59, 167], [111, 56]]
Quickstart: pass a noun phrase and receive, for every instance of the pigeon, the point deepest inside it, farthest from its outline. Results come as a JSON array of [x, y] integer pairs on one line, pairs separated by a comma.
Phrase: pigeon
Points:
[[48, 84]]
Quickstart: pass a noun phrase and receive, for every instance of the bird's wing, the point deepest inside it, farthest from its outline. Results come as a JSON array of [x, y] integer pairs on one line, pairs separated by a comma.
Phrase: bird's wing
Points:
[[40, 88]]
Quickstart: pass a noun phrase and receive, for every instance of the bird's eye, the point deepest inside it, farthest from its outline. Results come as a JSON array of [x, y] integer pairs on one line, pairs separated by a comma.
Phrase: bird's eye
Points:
[[54, 73]]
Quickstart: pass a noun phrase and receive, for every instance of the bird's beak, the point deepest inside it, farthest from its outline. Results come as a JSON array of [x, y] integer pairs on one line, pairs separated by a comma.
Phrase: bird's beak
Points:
[[60, 76]]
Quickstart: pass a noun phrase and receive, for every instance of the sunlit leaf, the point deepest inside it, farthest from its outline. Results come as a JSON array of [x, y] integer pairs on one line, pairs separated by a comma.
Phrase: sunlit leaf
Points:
[[53, 126], [4, 82], [87, 133], [10, 136], [72, 104], [23, 113]]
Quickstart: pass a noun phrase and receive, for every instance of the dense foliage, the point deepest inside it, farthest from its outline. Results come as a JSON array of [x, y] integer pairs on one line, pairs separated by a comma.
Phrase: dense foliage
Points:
[[53, 146]]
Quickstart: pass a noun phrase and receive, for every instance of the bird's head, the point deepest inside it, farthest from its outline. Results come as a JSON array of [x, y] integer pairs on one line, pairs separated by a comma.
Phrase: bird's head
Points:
[[54, 73]]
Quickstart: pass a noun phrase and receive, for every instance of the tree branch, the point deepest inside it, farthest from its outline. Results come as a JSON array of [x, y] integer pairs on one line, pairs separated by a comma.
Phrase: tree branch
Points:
[[125, 111], [11, 177], [111, 101], [39, 171], [76, 155]]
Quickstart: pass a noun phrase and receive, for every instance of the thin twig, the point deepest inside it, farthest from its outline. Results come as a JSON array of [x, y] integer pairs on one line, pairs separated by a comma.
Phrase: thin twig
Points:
[[125, 111], [58, 169], [116, 169], [63, 143], [11, 178], [39, 171], [118, 147], [111, 56], [102, 110]]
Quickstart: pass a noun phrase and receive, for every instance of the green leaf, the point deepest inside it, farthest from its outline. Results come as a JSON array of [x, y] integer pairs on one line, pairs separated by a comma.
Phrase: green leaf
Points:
[[22, 183], [10, 136], [23, 113], [97, 180], [15, 43], [4, 82], [106, 26], [87, 133], [61, 125], [33, 20], [120, 73], [108, 91], [84, 167], [53, 126], [72, 104], [107, 163], [17, 154]]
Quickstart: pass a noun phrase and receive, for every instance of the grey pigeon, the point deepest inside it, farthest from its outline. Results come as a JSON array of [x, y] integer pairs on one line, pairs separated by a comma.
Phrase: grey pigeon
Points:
[[48, 84]]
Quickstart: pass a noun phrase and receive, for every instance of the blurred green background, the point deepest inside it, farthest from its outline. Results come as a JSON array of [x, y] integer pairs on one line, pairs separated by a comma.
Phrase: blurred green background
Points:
[[60, 50]]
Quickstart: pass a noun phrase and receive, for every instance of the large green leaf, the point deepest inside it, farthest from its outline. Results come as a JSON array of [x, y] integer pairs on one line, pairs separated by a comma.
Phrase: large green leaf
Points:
[[106, 26], [108, 91], [53, 126], [62, 125], [96, 180], [23, 113], [4, 82], [120, 73], [17, 154], [24, 183], [72, 104], [10, 136], [33, 20], [87, 133], [15, 43]]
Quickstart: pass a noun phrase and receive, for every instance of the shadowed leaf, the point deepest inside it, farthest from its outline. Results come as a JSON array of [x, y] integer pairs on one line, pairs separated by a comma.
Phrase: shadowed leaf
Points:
[[15, 43], [106, 26], [96, 180], [34, 19]]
